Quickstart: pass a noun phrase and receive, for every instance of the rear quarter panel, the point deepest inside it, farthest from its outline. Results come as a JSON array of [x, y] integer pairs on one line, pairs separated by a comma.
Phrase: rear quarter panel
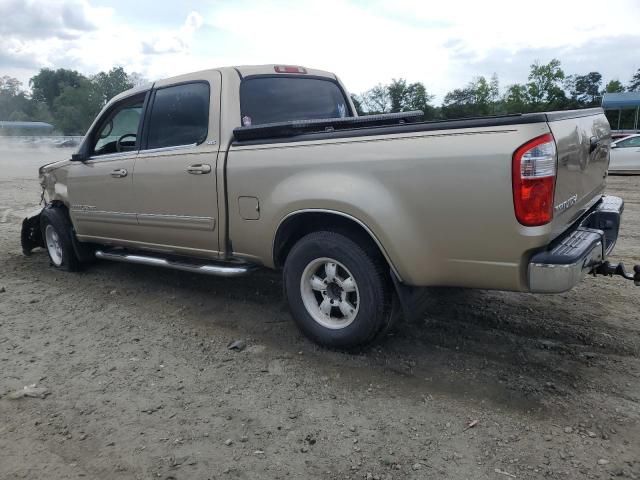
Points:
[[439, 202]]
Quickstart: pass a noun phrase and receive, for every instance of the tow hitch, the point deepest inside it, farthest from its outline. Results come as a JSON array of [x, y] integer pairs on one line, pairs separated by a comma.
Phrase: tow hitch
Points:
[[610, 270]]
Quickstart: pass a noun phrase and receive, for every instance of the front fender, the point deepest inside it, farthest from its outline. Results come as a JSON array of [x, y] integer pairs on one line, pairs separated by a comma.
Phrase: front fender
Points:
[[31, 234]]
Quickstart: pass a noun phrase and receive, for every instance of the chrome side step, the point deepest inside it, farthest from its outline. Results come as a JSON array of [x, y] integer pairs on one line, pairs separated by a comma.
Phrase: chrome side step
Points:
[[220, 270]]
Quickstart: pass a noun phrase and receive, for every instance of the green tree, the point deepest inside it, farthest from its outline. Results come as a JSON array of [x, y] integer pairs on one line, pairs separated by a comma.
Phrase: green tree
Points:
[[545, 86], [377, 100], [48, 84], [76, 107], [459, 103], [479, 97], [10, 86], [587, 88], [417, 98], [112, 83], [614, 86], [397, 91], [16, 105], [634, 84], [516, 99], [405, 97]]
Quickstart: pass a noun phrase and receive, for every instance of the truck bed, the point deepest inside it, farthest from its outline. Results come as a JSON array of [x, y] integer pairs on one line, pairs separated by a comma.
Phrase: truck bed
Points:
[[438, 195]]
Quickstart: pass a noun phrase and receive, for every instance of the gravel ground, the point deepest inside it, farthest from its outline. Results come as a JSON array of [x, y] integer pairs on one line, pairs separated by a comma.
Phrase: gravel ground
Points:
[[140, 383]]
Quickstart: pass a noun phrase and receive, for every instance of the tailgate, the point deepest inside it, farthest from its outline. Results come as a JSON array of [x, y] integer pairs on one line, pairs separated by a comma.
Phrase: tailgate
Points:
[[582, 139]]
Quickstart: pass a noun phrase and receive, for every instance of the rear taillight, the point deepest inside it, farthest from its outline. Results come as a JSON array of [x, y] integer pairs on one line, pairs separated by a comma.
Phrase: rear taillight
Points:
[[534, 179]]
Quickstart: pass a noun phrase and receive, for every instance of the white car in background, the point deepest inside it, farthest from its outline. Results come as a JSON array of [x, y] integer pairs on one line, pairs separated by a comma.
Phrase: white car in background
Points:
[[625, 156]]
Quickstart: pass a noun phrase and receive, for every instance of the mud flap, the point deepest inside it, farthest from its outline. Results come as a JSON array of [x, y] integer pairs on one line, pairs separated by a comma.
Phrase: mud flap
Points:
[[413, 300], [31, 235]]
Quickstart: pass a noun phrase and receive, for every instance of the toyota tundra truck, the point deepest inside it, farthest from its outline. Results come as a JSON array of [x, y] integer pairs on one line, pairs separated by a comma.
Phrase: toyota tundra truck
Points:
[[227, 170]]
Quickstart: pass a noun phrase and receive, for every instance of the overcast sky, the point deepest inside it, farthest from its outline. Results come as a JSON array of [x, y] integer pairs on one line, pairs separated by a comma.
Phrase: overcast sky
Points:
[[443, 44]]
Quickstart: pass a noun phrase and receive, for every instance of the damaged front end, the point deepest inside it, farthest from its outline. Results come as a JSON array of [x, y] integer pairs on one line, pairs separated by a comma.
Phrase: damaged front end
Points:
[[31, 235]]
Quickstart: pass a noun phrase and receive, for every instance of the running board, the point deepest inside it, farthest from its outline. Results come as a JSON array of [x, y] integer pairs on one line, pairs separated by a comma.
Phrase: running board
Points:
[[220, 270]]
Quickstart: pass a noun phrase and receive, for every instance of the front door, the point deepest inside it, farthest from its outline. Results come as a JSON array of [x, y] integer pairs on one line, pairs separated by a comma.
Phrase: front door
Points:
[[101, 187], [175, 174]]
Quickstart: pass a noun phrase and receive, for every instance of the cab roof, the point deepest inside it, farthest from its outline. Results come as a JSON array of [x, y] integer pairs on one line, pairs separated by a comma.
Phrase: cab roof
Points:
[[241, 70]]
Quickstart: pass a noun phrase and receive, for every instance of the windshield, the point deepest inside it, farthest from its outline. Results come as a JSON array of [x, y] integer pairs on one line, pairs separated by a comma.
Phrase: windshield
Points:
[[281, 99]]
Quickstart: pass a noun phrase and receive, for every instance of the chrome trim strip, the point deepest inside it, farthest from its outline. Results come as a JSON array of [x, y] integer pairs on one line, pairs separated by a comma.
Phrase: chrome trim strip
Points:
[[207, 269], [177, 221], [168, 149], [104, 216], [112, 156], [342, 214]]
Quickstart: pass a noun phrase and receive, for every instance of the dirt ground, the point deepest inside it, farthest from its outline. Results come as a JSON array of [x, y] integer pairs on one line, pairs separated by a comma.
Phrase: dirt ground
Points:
[[141, 383]]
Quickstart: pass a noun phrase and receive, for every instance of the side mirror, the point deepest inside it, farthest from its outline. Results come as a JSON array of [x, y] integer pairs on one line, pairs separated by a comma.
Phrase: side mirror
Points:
[[613, 145], [78, 157]]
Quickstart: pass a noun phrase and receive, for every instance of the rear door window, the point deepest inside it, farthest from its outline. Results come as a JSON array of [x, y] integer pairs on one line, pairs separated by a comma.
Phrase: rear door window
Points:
[[179, 116], [280, 99]]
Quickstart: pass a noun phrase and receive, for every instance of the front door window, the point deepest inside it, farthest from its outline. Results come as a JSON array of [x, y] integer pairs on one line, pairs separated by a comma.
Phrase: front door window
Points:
[[119, 131]]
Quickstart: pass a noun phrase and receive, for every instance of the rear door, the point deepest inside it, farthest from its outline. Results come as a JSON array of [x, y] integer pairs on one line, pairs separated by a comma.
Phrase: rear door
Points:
[[583, 139], [175, 174], [101, 188]]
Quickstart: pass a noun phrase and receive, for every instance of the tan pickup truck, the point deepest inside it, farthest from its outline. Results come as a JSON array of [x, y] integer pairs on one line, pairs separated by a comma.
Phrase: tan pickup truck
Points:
[[226, 170]]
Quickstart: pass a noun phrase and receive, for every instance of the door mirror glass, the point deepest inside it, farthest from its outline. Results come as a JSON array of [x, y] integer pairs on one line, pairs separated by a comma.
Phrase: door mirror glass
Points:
[[107, 130]]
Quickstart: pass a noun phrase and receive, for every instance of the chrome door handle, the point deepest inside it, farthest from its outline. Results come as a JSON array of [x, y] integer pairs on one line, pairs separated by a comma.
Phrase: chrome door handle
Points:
[[199, 168], [119, 173]]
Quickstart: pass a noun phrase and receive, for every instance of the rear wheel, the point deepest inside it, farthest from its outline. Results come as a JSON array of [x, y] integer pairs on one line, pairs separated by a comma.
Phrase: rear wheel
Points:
[[57, 234], [338, 293]]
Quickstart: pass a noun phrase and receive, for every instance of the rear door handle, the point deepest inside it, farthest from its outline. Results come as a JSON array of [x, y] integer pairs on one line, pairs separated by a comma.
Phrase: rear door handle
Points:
[[119, 173], [199, 168]]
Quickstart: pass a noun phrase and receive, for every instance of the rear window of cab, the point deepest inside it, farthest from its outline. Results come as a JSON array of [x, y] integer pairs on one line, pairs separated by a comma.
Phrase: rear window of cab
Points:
[[281, 99]]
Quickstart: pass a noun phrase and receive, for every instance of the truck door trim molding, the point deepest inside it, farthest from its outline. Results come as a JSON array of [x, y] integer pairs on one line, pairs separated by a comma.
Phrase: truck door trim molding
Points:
[[177, 221], [168, 149], [342, 214], [102, 216], [111, 156]]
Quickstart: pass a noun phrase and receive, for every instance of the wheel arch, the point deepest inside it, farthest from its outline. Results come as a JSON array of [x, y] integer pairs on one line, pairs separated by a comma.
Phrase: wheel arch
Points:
[[84, 251], [299, 223]]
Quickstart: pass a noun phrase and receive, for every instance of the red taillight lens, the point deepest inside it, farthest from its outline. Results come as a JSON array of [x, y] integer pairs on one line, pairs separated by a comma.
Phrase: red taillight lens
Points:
[[534, 180], [289, 69]]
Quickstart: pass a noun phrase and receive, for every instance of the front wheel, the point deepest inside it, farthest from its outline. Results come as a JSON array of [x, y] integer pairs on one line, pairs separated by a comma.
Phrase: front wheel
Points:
[[57, 234], [338, 293]]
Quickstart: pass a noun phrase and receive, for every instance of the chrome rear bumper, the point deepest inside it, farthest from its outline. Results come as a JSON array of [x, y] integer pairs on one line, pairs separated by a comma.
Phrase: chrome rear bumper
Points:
[[564, 263]]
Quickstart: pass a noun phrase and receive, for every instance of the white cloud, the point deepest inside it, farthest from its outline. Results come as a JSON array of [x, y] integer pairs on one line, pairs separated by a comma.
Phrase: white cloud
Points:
[[29, 19], [439, 43], [442, 44], [174, 42]]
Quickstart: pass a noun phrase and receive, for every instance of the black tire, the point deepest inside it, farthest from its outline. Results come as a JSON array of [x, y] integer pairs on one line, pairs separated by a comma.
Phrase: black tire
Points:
[[56, 217], [368, 270]]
